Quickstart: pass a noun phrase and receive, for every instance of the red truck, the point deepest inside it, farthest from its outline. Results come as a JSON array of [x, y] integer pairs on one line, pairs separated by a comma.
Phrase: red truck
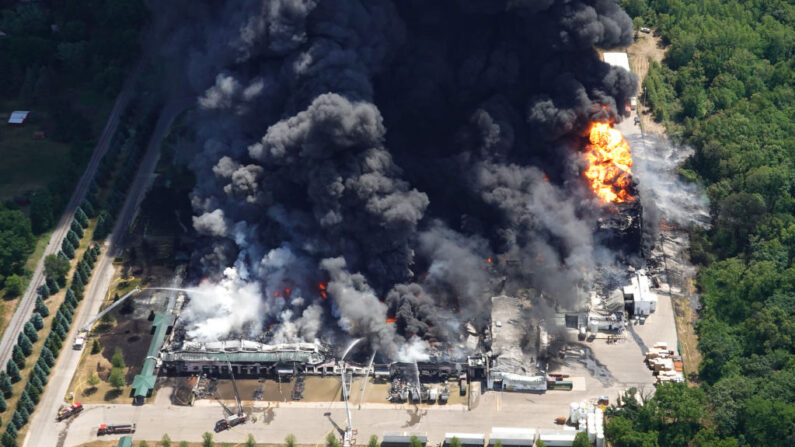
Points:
[[68, 411], [106, 429], [231, 421]]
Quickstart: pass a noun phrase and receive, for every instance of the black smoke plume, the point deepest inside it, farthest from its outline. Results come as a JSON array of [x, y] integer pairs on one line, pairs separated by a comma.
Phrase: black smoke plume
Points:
[[363, 160]]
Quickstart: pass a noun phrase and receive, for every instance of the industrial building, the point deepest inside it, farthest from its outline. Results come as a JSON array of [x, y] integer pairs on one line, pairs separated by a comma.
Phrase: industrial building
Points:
[[518, 347], [402, 439], [512, 437], [638, 296], [466, 439]]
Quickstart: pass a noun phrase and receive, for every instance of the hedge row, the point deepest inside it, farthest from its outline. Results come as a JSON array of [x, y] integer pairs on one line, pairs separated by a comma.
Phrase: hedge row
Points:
[[52, 346]]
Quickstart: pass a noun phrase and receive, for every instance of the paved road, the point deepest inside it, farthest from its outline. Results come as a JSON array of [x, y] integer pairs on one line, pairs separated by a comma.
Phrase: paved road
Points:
[[309, 423], [44, 430], [28, 300]]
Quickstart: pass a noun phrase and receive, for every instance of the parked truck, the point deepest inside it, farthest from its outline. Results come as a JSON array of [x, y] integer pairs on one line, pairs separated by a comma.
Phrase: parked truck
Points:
[[231, 421], [106, 429], [68, 411]]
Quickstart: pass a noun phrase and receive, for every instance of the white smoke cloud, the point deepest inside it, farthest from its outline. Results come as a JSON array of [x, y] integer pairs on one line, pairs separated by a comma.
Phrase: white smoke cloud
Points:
[[232, 305]]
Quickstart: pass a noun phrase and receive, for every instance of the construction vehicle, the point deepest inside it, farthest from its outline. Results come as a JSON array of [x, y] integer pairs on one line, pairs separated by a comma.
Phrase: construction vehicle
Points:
[[232, 418], [68, 411], [106, 429]]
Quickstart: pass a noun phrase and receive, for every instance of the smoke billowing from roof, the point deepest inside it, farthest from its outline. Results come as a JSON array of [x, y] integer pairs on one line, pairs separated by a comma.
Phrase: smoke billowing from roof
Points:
[[359, 160]]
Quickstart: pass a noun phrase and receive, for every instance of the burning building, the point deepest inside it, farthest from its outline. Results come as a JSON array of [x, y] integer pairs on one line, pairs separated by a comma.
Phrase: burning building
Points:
[[358, 162]]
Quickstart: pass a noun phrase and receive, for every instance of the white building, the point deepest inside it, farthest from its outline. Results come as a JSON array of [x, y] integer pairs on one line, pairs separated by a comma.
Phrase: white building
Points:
[[638, 291], [617, 59]]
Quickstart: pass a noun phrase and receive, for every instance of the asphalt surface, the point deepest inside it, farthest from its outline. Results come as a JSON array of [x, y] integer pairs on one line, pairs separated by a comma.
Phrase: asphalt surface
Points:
[[28, 300], [311, 422], [44, 430]]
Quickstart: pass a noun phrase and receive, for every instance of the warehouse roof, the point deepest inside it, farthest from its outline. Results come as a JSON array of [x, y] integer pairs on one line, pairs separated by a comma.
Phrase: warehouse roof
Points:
[[144, 383], [617, 60], [245, 357], [18, 117]]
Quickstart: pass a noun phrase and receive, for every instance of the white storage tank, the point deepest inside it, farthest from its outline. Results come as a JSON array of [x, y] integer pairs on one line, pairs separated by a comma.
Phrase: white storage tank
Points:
[[600, 439], [574, 412]]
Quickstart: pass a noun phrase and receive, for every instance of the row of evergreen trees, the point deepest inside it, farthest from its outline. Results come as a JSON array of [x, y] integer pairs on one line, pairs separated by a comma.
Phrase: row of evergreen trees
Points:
[[59, 331]]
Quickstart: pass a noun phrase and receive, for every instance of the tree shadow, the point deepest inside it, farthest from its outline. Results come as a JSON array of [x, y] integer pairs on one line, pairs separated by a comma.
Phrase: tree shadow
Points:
[[112, 394], [90, 391]]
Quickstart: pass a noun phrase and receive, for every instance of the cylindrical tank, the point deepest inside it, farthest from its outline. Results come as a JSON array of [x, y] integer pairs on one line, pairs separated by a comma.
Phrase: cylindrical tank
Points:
[[591, 425], [574, 412], [600, 440]]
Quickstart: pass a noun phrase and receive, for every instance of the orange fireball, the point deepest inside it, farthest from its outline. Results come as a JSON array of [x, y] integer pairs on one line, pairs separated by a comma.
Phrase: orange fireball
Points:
[[609, 164]]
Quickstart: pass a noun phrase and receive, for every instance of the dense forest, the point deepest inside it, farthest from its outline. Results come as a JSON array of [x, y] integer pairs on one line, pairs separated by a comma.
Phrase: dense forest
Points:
[[53, 53], [725, 87]]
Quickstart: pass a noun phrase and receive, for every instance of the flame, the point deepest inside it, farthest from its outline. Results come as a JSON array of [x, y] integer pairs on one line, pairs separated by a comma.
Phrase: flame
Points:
[[321, 287], [391, 320], [488, 260], [609, 164]]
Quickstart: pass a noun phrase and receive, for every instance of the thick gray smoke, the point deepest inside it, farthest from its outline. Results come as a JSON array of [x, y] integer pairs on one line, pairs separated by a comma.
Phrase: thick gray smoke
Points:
[[364, 160]]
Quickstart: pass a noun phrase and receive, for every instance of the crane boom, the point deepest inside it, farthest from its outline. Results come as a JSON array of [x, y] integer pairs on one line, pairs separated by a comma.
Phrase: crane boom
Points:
[[234, 386]]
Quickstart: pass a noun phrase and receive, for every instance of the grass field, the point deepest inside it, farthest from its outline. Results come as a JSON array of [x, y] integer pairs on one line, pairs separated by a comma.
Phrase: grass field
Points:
[[29, 164]]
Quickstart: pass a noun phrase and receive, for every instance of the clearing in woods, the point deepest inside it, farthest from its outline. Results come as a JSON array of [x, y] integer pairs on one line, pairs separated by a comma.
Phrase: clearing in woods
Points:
[[645, 47]]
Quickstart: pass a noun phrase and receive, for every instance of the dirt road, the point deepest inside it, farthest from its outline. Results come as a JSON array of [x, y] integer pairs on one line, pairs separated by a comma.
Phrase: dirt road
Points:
[[646, 47]]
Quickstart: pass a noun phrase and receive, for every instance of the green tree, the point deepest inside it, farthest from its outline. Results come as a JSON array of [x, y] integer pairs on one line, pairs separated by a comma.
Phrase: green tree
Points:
[[455, 442], [250, 442], [116, 378], [16, 239], [56, 268], [290, 440], [13, 371], [165, 441], [41, 308], [143, 444], [95, 347], [81, 217], [207, 440], [93, 380], [331, 440], [77, 229], [8, 440], [68, 249], [44, 290], [41, 218], [581, 440], [415, 442], [5, 384], [37, 321], [118, 358], [183, 444], [73, 239], [14, 285], [18, 356], [3, 404], [373, 442], [30, 332], [541, 443]]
